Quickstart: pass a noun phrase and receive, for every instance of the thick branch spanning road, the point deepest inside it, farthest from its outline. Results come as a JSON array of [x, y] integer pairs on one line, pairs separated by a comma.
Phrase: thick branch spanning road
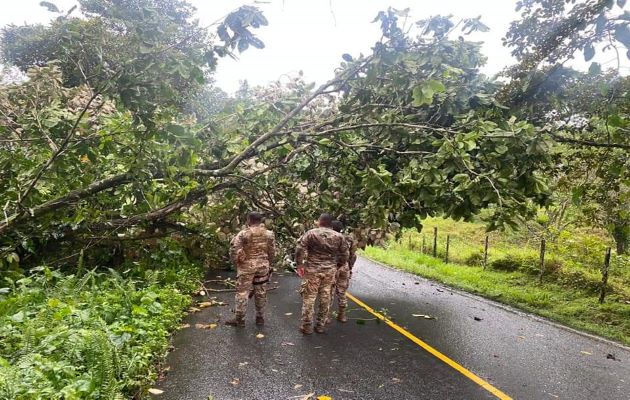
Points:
[[510, 353]]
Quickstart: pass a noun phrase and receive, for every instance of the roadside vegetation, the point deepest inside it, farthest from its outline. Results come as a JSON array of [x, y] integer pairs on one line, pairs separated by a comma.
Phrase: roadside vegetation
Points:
[[92, 334], [121, 161], [572, 277]]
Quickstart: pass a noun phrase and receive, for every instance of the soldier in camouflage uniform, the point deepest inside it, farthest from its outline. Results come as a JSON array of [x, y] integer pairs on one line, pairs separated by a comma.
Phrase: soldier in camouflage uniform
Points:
[[344, 273], [252, 251], [318, 254]]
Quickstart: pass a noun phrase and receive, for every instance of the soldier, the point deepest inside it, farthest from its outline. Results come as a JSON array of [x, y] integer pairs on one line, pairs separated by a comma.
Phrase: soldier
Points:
[[252, 251], [344, 273], [318, 254]]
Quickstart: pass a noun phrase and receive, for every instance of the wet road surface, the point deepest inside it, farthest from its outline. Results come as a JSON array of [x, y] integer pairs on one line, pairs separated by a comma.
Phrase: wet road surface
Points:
[[523, 356]]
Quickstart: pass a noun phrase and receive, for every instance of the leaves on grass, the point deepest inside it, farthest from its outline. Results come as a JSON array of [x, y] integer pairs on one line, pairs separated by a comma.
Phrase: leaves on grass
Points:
[[155, 391], [297, 386], [235, 382], [289, 313], [260, 336], [288, 344], [586, 352], [184, 326], [324, 398], [193, 309]]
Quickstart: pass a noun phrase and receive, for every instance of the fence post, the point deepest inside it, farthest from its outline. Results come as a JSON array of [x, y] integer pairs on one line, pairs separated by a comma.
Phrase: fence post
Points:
[[485, 253], [435, 241], [602, 294], [448, 243], [424, 247], [542, 259]]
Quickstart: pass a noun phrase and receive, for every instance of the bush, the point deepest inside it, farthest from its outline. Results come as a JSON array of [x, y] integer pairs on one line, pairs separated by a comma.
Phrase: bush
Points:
[[526, 263], [98, 335], [474, 258], [581, 279], [512, 262]]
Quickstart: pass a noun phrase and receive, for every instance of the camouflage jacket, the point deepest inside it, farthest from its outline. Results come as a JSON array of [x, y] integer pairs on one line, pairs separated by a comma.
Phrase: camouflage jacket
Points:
[[321, 248], [253, 248], [352, 250]]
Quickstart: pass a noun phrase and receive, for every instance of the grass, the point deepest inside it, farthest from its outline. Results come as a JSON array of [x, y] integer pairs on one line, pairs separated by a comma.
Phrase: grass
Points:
[[568, 294]]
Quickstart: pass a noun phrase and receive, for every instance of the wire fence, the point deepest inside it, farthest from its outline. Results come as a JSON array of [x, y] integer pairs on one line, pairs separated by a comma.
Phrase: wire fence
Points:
[[587, 265]]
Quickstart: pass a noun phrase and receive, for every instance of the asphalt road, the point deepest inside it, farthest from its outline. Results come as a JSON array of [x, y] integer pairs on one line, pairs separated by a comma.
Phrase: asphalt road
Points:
[[522, 356]]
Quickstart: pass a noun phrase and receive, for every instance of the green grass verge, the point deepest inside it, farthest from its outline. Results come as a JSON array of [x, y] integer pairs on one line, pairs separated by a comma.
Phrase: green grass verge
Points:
[[570, 306]]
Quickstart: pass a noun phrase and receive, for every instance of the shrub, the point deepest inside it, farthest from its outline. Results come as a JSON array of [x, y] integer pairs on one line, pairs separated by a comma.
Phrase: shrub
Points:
[[527, 263], [474, 258], [98, 335], [512, 262]]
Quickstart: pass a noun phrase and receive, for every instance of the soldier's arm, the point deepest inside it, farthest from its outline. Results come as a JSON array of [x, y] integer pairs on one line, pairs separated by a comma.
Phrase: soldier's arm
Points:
[[271, 248], [300, 250], [352, 253], [343, 253], [236, 247]]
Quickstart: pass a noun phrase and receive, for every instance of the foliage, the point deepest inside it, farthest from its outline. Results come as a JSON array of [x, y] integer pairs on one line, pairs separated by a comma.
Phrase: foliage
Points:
[[573, 258], [550, 32], [414, 131], [98, 334]]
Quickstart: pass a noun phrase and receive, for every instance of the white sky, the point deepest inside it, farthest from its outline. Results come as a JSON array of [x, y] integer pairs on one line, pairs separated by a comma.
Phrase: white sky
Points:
[[311, 35]]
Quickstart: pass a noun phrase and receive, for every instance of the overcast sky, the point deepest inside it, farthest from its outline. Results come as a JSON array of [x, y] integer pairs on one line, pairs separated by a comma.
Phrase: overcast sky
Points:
[[311, 35]]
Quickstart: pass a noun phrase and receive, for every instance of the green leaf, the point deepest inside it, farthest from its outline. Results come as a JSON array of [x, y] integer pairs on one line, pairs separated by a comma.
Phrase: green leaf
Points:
[[50, 6], [589, 52], [501, 149], [436, 86], [418, 97], [18, 317], [257, 43], [595, 68], [622, 34]]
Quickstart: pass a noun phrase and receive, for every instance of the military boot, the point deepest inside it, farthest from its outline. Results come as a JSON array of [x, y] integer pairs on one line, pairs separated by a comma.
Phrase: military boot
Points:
[[341, 316], [319, 328], [306, 329], [237, 320], [260, 320]]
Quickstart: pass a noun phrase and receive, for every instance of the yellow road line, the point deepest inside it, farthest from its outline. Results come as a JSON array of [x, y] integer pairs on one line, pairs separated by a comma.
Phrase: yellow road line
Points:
[[499, 394]]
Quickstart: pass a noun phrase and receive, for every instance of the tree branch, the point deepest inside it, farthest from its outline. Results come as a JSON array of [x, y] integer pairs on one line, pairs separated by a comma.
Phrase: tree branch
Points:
[[588, 143]]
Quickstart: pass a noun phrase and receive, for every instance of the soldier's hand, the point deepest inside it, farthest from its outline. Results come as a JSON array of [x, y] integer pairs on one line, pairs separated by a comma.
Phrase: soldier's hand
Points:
[[300, 272]]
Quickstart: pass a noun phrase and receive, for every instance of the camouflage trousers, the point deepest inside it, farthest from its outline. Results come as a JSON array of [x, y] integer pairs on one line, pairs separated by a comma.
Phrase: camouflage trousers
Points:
[[342, 281], [244, 286], [317, 283]]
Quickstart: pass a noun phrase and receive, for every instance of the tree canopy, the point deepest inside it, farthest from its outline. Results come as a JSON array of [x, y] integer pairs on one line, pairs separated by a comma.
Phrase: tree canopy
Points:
[[111, 138]]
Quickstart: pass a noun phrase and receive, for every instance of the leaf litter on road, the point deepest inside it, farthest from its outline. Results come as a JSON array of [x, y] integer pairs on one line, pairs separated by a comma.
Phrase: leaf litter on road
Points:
[[304, 396], [205, 326], [425, 316]]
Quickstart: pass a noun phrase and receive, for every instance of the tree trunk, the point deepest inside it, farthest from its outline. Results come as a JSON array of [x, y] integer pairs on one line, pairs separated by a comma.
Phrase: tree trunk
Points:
[[621, 239], [621, 245]]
